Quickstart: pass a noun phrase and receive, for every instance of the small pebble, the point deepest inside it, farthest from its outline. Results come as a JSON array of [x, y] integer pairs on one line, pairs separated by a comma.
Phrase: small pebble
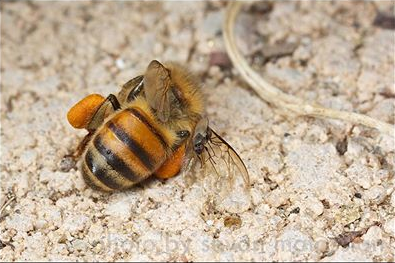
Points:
[[389, 227]]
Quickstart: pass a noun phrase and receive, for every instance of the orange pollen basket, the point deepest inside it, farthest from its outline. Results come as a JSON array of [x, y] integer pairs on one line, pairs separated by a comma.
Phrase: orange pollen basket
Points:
[[172, 166], [81, 113]]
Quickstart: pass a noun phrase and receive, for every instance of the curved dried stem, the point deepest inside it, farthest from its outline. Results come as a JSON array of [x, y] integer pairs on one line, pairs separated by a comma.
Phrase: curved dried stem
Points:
[[279, 98]]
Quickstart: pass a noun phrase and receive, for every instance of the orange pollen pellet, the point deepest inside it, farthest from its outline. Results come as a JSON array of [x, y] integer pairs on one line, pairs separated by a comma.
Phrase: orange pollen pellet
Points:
[[173, 165], [81, 113]]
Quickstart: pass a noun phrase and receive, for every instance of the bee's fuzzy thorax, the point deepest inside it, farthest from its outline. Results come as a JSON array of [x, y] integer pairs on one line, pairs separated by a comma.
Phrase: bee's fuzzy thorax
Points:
[[188, 87]]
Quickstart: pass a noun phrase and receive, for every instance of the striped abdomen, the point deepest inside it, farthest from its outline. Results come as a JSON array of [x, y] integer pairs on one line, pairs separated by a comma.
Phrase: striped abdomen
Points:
[[126, 150]]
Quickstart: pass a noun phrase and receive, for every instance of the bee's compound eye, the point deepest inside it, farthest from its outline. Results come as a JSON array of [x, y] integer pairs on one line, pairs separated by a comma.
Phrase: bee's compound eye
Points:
[[108, 152], [183, 134]]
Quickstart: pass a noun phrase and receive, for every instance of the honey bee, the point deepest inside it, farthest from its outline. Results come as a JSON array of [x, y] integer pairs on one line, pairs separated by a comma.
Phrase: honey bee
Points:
[[153, 126]]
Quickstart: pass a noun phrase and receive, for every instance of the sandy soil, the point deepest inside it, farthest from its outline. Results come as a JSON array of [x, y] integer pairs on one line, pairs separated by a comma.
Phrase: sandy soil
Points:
[[320, 189]]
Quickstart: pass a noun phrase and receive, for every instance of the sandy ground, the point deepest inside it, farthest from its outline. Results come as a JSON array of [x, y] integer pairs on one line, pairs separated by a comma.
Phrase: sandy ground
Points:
[[320, 189]]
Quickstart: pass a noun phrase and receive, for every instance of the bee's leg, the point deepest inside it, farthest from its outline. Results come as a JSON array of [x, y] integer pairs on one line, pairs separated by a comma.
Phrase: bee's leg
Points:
[[109, 105], [200, 160], [96, 120], [131, 89], [81, 147]]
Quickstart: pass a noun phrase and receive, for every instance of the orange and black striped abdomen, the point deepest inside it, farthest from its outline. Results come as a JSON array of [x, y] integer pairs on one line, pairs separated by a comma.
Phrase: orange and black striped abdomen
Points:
[[126, 150]]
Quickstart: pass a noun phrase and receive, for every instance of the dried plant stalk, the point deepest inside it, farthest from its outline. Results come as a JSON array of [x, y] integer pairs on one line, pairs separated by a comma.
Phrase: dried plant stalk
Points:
[[279, 98]]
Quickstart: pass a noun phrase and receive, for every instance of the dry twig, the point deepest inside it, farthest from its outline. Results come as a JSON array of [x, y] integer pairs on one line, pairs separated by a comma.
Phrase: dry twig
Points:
[[279, 98]]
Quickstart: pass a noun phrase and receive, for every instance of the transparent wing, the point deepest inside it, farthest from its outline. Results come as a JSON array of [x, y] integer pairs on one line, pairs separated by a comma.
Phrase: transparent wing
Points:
[[226, 177], [157, 84], [130, 90], [223, 152]]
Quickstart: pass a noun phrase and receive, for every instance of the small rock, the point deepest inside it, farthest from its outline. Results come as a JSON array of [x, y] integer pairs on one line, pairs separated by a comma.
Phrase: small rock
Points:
[[67, 163], [76, 223], [40, 224], [79, 245], [28, 158], [341, 146], [322, 245], [276, 198], [360, 174], [393, 199], [294, 245], [348, 214], [120, 209], [315, 206], [348, 237], [354, 149], [220, 59], [278, 50], [376, 194], [256, 196], [60, 249], [120, 63], [20, 222], [373, 235], [302, 53], [61, 182], [62, 239], [389, 227], [349, 255], [383, 20], [232, 221], [45, 175], [98, 248], [273, 163]]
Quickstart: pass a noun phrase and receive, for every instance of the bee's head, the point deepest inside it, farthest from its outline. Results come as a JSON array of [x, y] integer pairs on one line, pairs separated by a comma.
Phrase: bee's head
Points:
[[200, 140], [198, 143], [201, 136]]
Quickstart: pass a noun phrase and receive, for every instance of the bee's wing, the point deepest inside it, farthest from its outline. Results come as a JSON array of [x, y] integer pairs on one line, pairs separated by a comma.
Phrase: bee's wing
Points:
[[225, 160], [223, 176], [157, 90], [226, 182], [130, 90]]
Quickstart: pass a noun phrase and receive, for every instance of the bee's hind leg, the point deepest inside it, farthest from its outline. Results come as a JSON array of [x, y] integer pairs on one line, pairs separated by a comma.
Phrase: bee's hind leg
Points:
[[109, 105], [82, 145]]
